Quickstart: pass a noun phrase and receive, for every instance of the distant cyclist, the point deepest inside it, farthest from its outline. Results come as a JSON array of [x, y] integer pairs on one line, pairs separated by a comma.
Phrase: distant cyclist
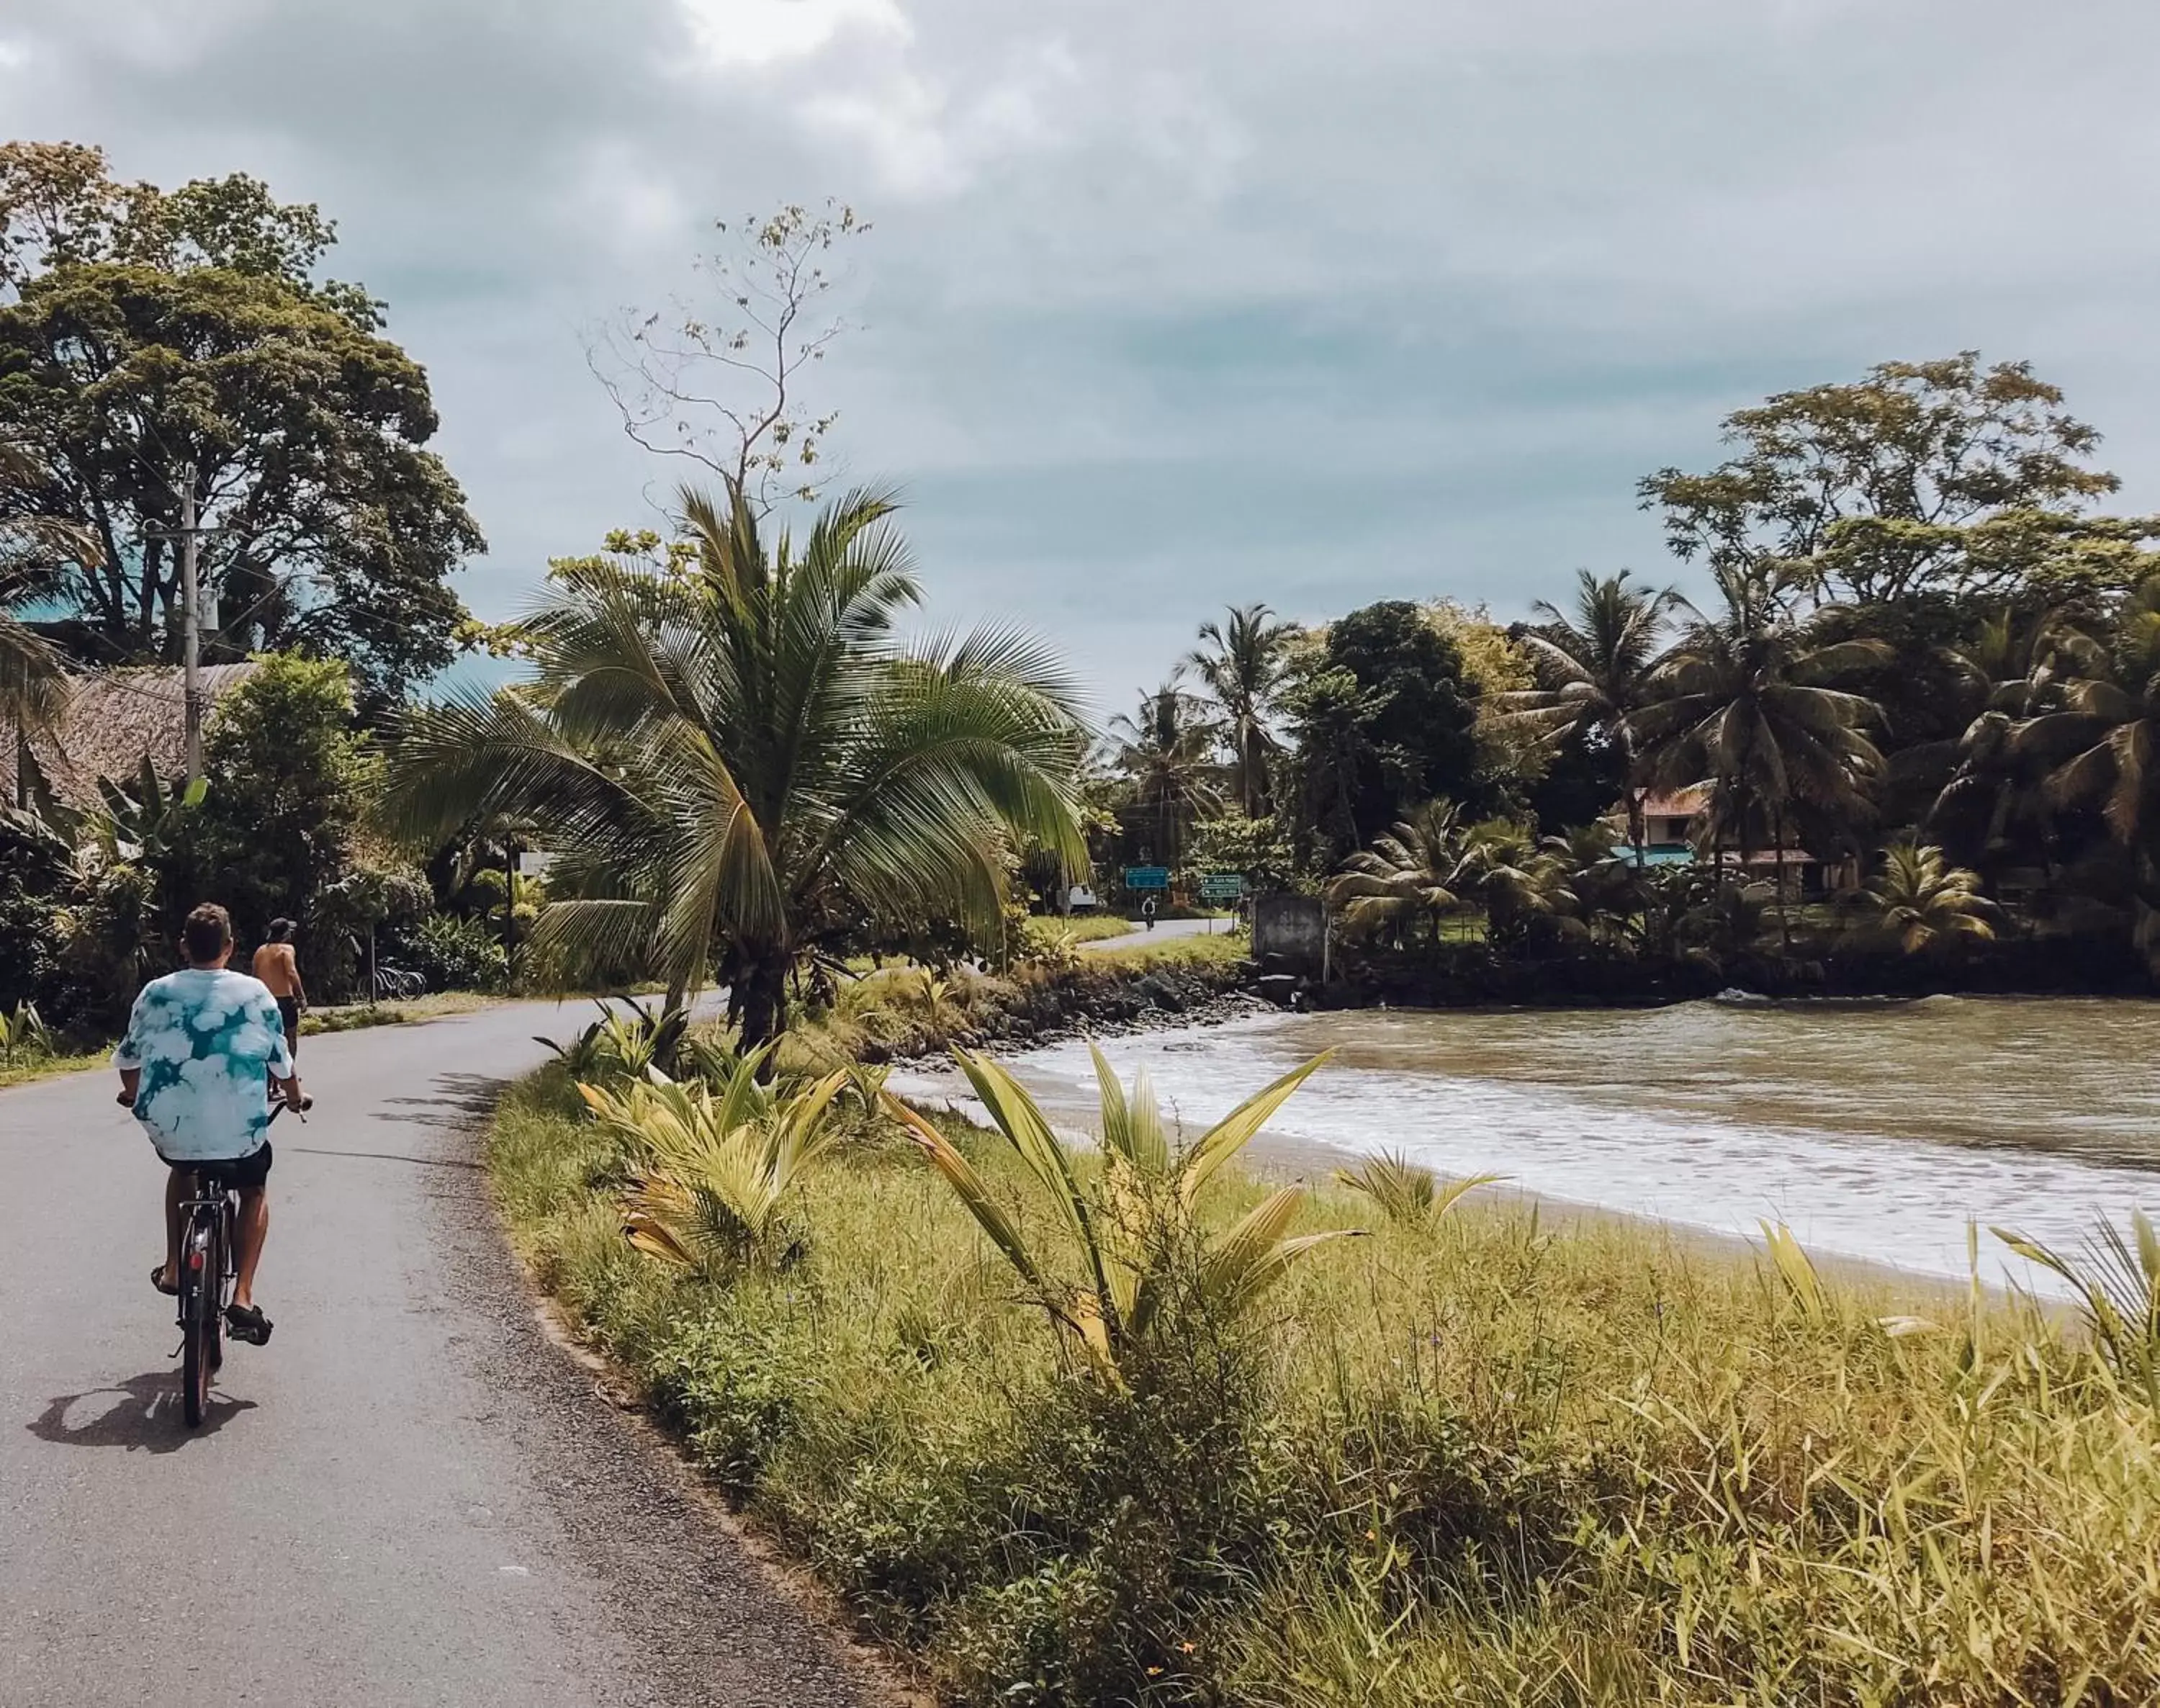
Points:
[[279, 967], [202, 1046]]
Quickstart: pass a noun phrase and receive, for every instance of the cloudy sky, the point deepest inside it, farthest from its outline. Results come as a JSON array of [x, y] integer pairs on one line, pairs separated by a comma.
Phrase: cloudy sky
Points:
[[1173, 302]]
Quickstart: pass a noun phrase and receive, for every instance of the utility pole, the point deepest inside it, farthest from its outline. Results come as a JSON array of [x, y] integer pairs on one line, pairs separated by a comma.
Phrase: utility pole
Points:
[[189, 535], [191, 629]]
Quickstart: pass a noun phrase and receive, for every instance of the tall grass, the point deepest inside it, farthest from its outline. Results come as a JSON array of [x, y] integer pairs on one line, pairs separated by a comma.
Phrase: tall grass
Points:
[[1473, 1459]]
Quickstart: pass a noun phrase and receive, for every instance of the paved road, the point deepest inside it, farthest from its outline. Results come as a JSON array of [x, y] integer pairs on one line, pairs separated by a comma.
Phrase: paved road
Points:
[[1164, 930], [410, 1497]]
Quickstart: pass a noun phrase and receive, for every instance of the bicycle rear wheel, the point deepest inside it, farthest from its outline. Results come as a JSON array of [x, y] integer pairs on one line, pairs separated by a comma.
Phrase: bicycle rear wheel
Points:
[[202, 1283]]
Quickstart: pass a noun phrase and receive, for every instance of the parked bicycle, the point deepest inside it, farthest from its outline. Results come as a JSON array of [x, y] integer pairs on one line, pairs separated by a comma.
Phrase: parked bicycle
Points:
[[397, 984]]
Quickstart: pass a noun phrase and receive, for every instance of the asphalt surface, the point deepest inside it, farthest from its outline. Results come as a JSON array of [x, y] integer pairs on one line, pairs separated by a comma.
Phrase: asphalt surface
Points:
[[1164, 930], [411, 1496]]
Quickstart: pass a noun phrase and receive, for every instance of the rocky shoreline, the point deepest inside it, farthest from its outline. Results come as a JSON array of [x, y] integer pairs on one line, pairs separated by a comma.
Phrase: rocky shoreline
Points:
[[1091, 1000]]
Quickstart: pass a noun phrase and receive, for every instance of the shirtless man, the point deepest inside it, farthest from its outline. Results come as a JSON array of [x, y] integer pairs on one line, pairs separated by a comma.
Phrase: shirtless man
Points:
[[279, 969]]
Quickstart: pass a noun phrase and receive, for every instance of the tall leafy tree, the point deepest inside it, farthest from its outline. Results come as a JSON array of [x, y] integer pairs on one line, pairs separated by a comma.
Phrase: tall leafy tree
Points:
[[1387, 720], [156, 344], [290, 779], [1599, 667], [1241, 660], [734, 760], [1920, 477]]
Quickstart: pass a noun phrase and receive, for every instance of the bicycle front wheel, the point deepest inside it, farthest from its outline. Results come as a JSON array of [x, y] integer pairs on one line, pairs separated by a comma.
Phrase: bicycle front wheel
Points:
[[201, 1341]]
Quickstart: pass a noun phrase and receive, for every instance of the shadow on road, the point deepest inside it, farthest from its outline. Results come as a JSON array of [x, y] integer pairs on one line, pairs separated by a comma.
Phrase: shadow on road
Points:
[[465, 1099], [143, 1412]]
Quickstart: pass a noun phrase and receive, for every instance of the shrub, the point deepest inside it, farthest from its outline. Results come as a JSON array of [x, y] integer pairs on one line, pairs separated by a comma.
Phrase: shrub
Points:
[[450, 953], [734, 1385]]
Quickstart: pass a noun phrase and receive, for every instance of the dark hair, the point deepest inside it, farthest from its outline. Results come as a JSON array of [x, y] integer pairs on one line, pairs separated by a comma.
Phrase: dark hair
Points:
[[280, 929], [207, 934]]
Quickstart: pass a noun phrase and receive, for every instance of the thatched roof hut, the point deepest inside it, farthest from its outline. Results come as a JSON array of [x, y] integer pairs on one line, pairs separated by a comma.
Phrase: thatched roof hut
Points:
[[113, 718]]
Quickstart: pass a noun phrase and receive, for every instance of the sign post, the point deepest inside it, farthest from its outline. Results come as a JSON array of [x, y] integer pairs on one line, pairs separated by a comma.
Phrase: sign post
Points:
[[1147, 877]]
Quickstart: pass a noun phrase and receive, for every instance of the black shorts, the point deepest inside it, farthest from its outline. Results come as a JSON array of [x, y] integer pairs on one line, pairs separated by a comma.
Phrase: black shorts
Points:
[[288, 1011], [246, 1172]]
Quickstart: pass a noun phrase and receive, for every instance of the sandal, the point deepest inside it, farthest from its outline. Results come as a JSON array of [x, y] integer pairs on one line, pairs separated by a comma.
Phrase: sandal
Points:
[[247, 1322], [157, 1281]]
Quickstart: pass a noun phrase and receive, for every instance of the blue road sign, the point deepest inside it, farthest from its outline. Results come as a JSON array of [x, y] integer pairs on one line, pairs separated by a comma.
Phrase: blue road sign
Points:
[[1147, 877]]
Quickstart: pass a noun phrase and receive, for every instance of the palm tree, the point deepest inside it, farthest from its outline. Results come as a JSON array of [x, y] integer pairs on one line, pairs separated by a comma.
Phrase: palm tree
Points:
[[738, 758], [33, 673], [1166, 750], [1407, 877], [2102, 744], [1610, 894], [1994, 799], [1599, 666], [1921, 898], [1743, 703], [1242, 671], [1504, 868]]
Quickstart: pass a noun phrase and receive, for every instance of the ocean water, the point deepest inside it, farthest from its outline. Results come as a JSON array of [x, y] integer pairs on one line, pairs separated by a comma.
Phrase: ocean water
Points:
[[1876, 1130]]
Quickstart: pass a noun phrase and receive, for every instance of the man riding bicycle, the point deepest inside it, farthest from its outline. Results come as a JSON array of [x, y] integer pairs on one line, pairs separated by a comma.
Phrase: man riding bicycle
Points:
[[202, 1048]]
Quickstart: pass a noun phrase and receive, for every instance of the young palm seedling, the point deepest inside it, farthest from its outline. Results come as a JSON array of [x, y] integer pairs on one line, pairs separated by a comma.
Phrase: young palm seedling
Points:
[[713, 1166], [1126, 1232], [1409, 1194]]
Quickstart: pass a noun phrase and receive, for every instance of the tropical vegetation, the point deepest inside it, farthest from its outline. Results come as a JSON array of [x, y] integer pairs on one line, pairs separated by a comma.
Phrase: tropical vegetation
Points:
[[1912, 730], [738, 765], [1140, 1425], [1129, 1423]]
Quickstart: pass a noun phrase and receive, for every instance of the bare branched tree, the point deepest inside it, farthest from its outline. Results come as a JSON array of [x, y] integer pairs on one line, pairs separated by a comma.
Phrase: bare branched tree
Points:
[[722, 385]]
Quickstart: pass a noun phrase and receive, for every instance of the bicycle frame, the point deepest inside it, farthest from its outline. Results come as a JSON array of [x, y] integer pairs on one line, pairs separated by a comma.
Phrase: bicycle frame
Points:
[[207, 1272]]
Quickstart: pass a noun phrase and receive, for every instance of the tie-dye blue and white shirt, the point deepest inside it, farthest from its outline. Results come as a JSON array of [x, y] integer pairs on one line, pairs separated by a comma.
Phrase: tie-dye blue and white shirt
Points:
[[207, 1042]]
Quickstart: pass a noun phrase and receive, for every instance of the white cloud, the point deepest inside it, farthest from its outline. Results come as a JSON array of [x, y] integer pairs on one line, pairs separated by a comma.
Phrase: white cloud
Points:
[[620, 190], [923, 135], [757, 33], [1170, 303]]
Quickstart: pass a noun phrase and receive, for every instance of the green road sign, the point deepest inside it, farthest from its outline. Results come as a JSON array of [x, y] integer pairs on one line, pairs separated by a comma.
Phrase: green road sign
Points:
[[1147, 877], [1222, 886]]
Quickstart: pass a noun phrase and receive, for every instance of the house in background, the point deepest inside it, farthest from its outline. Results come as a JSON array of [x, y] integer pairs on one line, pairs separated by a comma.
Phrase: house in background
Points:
[[114, 719], [1668, 822], [1675, 834]]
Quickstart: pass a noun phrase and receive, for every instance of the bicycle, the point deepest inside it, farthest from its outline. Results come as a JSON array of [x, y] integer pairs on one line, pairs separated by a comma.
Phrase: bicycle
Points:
[[397, 985], [209, 1266], [207, 1273]]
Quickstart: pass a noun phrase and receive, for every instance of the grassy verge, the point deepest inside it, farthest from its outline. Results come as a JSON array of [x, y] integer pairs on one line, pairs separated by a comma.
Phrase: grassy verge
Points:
[[359, 1015], [1211, 949], [21, 1070], [1475, 1461], [1087, 928]]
